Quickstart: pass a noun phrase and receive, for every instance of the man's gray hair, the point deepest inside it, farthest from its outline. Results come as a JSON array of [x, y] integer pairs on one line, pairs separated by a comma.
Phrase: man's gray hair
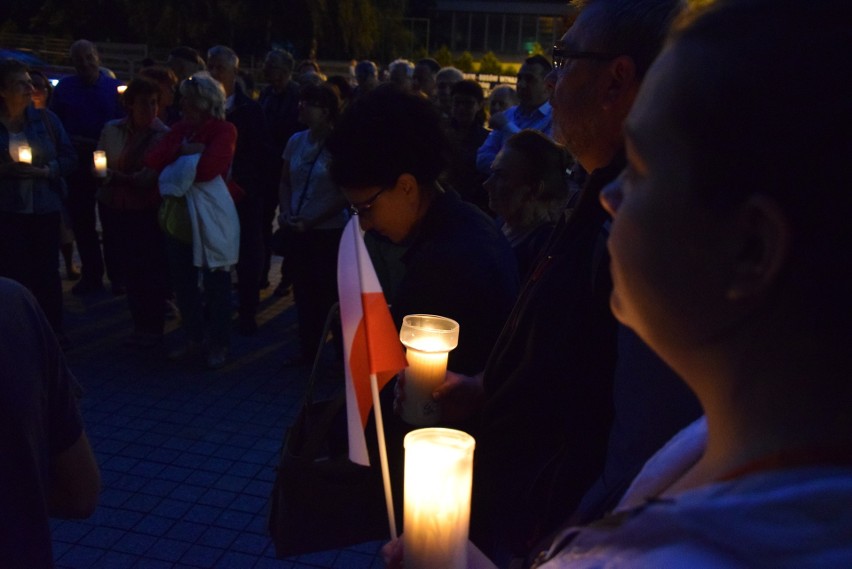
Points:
[[450, 73], [366, 68], [226, 53], [282, 57], [637, 28], [83, 44], [402, 64], [207, 92]]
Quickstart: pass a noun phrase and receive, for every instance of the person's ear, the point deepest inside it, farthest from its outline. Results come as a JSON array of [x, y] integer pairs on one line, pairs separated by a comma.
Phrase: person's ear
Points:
[[762, 248], [622, 84], [407, 183], [409, 189]]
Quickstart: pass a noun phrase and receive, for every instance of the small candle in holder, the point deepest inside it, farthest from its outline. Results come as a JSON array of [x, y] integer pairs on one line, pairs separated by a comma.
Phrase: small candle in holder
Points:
[[428, 340], [100, 163], [25, 154], [438, 481]]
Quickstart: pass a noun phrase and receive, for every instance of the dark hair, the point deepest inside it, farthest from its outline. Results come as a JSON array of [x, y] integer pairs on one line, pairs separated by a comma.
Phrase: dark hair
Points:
[[8, 67], [283, 57], [636, 28], [366, 68], [541, 61], [385, 134], [546, 164], [309, 63], [187, 53], [343, 86], [48, 85], [432, 64], [140, 86], [160, 74], [325, 95], [468, 87], [752, 130]]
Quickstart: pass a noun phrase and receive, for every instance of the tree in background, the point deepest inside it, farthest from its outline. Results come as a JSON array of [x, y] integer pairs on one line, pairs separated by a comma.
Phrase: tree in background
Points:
[[341, 29], [464, 62], [490, 64], [443, 56]]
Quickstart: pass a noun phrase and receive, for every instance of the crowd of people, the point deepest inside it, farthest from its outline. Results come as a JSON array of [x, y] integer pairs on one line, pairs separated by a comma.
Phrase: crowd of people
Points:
[[652, 309]]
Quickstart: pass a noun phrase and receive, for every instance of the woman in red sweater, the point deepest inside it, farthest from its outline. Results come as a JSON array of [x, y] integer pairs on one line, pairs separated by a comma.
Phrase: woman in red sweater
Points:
[[203, 130]]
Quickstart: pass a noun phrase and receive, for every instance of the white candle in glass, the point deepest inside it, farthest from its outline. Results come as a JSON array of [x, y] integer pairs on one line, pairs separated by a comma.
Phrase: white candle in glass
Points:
[[25, 154], [99, 157], [428, 340], [438, 481]]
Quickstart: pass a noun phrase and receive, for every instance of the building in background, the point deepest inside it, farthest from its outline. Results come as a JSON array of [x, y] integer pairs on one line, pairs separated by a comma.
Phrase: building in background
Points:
[[509, 28]]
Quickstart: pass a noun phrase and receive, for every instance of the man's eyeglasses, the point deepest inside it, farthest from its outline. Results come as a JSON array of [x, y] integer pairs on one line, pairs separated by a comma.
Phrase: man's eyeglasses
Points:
[[562, 54], [364, 206]]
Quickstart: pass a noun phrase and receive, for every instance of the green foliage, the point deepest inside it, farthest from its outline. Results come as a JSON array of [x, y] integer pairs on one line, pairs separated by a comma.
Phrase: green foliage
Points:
[[490, 64], [464, 62], [536, 49], [443, 56], [359, 26]]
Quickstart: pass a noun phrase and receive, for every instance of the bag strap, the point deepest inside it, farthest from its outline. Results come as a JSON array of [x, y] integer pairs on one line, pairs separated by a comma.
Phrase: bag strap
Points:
[[308, 180], [333, 312], [316, 435]]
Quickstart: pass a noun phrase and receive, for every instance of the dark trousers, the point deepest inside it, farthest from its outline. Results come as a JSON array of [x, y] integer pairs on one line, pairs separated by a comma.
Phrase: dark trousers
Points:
[[29, 254], [140, 249], [252, 251], [269, 205], [314, 265], [215, 301], [81, 204]]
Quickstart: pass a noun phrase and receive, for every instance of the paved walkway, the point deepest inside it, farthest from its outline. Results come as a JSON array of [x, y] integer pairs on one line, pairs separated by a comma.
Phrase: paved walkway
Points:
[[187, 455]]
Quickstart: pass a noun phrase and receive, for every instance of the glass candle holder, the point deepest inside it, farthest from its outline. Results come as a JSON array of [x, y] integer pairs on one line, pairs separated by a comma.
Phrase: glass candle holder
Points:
[[438, 482], [99, 156], [25, 154], [428, 340]]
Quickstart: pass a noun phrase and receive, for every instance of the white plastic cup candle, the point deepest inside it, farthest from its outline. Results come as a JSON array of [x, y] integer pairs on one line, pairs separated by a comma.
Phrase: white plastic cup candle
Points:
[[25, 154], [428, 340], [99, 157], [438, 481]]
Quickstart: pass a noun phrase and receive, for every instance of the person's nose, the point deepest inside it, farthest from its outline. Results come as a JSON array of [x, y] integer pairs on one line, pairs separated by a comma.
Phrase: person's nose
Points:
[[612, 195], [551, 78]]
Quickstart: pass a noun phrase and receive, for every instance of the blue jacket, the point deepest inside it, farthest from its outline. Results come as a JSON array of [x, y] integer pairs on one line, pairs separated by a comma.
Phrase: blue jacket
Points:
[[51, 147]]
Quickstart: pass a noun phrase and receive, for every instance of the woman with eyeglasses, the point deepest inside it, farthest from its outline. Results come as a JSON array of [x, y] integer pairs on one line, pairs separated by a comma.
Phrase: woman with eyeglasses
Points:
[[312, 215], [42, 90], [203, 130], [35, 153]]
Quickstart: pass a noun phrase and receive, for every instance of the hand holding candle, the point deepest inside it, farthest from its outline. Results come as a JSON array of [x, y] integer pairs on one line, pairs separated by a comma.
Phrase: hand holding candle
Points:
[[25, 154], [428, 340], [99, 157], [438, 480]]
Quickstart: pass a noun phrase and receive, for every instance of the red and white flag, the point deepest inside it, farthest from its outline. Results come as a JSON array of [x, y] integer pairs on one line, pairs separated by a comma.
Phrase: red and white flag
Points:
[[370, 339]]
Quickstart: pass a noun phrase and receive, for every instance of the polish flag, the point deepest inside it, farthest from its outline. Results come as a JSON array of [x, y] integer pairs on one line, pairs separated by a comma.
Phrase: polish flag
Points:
[[371, 343]]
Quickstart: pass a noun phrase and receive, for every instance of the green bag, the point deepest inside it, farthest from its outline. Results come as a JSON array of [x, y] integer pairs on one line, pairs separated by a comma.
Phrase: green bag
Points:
[[174, 219]]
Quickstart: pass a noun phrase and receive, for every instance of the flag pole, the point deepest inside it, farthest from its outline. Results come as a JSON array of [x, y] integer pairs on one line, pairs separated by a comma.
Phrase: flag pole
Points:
[[383, 453]]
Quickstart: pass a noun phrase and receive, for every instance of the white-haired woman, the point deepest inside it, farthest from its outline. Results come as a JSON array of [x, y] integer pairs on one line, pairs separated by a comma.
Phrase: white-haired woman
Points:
[[203, 130]]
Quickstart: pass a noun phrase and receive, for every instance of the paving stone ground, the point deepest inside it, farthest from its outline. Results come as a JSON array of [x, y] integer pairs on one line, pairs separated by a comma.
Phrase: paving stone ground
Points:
[[187, 455]]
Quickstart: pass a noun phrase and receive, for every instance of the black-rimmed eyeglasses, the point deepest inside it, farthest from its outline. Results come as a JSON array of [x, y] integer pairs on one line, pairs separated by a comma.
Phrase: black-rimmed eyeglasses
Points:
[[562, 54], [364, 206]]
